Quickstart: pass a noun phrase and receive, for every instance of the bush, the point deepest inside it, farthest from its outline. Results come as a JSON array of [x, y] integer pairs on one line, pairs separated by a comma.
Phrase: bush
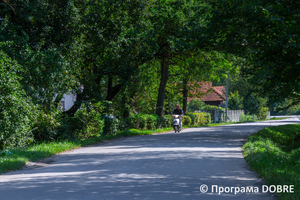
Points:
[[124, 124], [111, 125], [46, 126], [207, 117], [210, 108], [166, 121], [88, 121], [248, 118], [186, 120], [138, 121], [263, 113], [151, 122], [235, 101], [16, 110], [253, 104], [199, 118]]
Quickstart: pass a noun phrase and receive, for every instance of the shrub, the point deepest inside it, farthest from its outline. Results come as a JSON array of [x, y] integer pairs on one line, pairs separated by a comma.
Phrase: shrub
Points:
[[200, 118], [235, 101], [207, 117], [46, 126], [88, 121], [16, 110], [111, 125], [124, 124], [166, 121], [263, 113], [210, 108], [151, 122], [138, 121], [248, 118], [186, 120]]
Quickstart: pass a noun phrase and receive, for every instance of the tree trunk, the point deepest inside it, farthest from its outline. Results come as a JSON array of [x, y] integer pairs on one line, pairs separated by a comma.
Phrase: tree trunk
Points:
[[162, 86], [112, 91], [125, 108], [167, 110], [185, 96]]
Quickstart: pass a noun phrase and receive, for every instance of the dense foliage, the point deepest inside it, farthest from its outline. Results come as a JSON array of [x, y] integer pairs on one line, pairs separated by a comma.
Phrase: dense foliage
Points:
[[135, 58], [16, 110]]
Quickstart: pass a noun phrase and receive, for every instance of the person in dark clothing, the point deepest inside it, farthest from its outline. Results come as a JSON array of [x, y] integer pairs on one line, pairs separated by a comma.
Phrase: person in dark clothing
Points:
[[178, 111]]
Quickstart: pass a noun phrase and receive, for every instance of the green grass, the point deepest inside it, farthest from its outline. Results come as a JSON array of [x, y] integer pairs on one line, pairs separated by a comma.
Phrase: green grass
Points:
[[274, 153], [279, 118]]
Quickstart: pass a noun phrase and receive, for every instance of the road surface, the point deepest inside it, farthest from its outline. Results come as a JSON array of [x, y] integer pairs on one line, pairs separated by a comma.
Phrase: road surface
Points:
[[162, 166]]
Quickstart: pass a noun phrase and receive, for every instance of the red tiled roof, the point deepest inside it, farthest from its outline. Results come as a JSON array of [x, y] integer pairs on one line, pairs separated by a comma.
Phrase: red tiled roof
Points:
[[217, 93], [220, 90]]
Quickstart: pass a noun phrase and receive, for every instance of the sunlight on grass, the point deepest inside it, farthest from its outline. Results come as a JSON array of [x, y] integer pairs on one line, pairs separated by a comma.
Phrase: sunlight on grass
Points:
[[274, 153]]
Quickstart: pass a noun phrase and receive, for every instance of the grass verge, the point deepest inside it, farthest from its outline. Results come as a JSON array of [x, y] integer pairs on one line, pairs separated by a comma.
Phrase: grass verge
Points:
[[278, 118], [274, 153]]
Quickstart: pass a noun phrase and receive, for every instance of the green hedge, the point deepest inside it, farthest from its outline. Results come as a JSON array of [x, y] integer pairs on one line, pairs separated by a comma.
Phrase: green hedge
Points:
[[199, 118], [143, 121], [166, 121], [149, 122], [112, 125], [186, 120], [263, 113], [248, 118]]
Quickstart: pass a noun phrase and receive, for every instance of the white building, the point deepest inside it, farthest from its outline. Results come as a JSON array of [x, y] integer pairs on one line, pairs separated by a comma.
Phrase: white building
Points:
[[68, 101]]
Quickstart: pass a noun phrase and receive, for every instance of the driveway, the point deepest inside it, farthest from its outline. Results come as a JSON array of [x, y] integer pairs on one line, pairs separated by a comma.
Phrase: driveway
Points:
[[162, 166]]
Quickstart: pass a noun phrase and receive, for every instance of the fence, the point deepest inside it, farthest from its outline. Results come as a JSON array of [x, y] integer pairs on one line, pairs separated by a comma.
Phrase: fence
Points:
[[219, 116], [233, 115]]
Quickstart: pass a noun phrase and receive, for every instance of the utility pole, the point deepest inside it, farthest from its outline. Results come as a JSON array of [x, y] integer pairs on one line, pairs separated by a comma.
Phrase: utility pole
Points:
[[226, 108]]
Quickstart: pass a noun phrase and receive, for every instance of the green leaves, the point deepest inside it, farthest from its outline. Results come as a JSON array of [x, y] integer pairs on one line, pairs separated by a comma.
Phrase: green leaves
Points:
[[16, 110], [266, 33]]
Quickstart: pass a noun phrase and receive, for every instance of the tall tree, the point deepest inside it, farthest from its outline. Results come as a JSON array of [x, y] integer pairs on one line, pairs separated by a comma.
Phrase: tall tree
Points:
[[110, 48], [267, 34], [39, 34], [175, 29]]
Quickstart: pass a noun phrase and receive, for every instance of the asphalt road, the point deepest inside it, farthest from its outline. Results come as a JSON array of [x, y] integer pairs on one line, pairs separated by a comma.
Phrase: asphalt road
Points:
[[163, 166]]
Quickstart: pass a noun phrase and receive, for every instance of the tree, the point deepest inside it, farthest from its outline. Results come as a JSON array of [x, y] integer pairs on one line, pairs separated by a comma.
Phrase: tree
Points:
[[205, 66], [111, 48], [266, 33], [235, 101], [175, 28], [39, 34], [16, 111]]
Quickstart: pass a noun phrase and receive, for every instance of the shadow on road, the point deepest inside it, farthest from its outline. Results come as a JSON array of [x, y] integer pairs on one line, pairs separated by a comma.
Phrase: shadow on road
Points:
[[163, 166]]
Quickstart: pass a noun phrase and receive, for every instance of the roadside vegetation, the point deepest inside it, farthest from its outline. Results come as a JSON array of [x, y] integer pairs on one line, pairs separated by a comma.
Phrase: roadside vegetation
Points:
[[274, 153], [128, 63]]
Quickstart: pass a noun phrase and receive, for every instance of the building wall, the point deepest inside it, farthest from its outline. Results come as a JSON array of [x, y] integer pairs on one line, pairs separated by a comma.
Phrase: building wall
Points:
[[68, 101]]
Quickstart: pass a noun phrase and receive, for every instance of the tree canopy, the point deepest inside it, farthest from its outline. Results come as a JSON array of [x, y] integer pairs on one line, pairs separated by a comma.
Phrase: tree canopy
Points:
[[139, 56]]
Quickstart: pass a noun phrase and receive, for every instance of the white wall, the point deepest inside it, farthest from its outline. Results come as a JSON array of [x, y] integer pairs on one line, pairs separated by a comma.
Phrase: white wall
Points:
[[69, 100]]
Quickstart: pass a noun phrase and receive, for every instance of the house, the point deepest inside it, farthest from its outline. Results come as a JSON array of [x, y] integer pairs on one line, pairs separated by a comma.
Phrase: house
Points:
[[212, 95], [67, 102]]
